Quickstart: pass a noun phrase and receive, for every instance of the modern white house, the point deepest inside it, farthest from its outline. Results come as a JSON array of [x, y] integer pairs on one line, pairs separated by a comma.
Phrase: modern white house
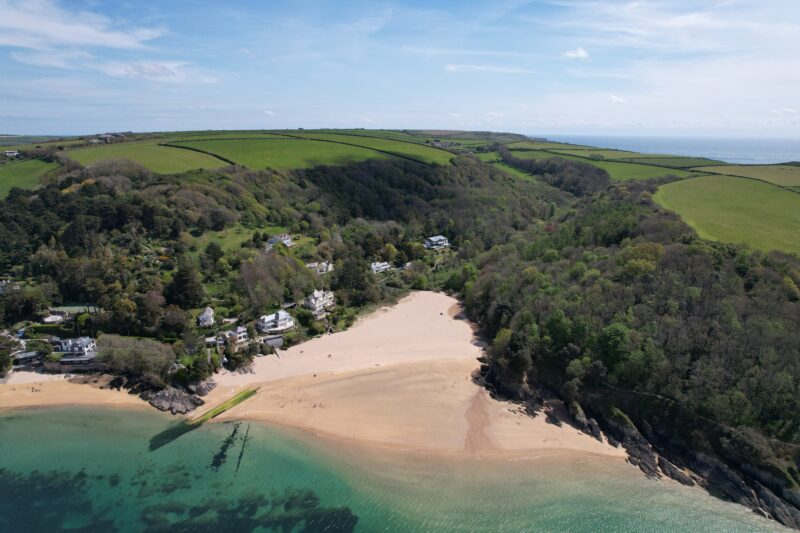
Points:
[[279, 322], [380, 266], [437, 242], [284, 238], [323, 267], [206, 318], [75, 348], [320, 302], [11, 153]]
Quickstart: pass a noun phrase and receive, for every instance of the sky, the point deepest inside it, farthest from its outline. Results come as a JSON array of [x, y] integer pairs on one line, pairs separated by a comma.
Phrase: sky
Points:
[[659, 68]]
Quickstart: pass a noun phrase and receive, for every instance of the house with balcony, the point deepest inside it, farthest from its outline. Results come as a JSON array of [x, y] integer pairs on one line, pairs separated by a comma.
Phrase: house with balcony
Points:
[[323, 267], [283, 238], [437, 242], [79, 354], [380, 266], [278, 322], [320, 302]]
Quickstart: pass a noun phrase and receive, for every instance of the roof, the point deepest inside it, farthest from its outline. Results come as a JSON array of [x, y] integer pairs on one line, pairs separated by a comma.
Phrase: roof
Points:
[[437, 238]]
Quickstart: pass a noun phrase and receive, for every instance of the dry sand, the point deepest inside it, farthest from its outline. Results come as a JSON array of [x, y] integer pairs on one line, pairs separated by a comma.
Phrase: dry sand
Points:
[[400, 378], [31, 389]]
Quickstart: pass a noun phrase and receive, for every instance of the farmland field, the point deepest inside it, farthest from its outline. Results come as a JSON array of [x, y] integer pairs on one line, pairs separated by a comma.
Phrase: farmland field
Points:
[[415, 151], [24, 174], [537, 145], [194, 135], [731, 209], [159, 159], [618, 171], [604, 153], [783, 175], [284, 153], [673, 161]]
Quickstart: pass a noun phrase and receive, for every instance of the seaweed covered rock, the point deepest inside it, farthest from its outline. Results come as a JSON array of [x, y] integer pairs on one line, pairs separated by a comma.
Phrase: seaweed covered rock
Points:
[[176, 401]]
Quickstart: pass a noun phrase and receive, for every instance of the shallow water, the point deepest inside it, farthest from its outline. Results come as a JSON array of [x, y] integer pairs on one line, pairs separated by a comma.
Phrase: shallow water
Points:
[[83, 469]]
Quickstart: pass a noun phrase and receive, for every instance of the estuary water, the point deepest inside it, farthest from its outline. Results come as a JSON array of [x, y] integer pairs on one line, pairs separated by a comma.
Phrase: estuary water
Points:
[[729, 150], [79, 469]]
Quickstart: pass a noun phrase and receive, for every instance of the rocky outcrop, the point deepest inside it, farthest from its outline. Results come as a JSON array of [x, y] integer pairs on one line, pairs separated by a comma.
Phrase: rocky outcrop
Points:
[[202, 388], [672, 471], [176, 401]]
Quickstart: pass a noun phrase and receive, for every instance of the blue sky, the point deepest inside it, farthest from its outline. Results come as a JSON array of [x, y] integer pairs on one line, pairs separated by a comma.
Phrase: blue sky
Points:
[[676, 67]]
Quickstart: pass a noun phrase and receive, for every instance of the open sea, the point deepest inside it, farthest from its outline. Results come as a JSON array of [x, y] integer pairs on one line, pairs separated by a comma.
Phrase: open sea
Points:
[[731, 150], [80, 470]]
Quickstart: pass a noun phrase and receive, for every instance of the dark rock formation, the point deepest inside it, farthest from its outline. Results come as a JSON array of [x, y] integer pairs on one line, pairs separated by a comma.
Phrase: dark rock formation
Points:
[[173, 400], [670, 470], [202, 388]]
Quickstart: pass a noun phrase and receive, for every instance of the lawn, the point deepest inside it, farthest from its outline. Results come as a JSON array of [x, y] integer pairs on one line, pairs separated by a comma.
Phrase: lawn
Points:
[[783, 175], [619, 171], [159, 159], [731, 209], [418, 152], [231, 239], [24, 174], [673, 161], [284, 152]]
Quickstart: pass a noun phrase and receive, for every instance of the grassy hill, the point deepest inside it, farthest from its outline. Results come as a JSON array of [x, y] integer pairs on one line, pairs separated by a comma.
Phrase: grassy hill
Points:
[[159, 159], [24, 174], [732, 209], [783, 175]]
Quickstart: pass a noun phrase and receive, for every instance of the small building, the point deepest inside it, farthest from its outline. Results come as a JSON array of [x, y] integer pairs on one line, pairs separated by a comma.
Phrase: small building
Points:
[[236, 337], [206, 318], [323, 267], [380, 266], [278, 322], [27, 359], [11, 154], [53, 319], [7, 285], [319, 303], [284, 238], [437, 242]]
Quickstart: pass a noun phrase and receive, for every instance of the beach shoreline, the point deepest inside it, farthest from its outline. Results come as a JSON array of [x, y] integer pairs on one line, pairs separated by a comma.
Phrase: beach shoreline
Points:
[[402, 378]]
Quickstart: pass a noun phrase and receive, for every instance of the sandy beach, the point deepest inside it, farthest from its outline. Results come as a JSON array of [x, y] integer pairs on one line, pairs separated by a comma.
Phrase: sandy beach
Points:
[[401, 378]]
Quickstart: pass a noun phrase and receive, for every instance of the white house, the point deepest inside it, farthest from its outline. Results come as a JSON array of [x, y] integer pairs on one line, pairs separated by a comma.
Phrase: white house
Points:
[[236, 337], [437, 242], [380, 266], [319, 302], [80, 352], [279, 322], [285, 238], [206, 318], [11, 153], [323, 267]]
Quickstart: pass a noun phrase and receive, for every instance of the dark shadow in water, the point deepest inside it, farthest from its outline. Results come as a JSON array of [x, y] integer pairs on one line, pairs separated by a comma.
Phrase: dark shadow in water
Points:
[[170, 434], [241, 452], [222, 454]]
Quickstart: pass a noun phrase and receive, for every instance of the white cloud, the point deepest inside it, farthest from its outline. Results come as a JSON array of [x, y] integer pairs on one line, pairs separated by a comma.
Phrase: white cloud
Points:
[[42, 24], [578, 53], [785, 111], [497, 69], [455, 115], [269, 113], [617, 99]]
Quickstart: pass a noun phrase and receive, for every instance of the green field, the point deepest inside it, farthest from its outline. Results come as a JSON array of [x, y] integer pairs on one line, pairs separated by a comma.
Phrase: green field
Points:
[[674, 161], [598, 153], [159, 159], [284, 153], [418, 152], [619, 171], [489, 157], [24, 174], [537, 145], [783, 175], [732, 209], [231, 239]]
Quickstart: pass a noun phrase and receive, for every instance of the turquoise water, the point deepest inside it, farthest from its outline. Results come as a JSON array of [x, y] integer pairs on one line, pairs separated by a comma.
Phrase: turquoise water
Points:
[[92, 470]]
